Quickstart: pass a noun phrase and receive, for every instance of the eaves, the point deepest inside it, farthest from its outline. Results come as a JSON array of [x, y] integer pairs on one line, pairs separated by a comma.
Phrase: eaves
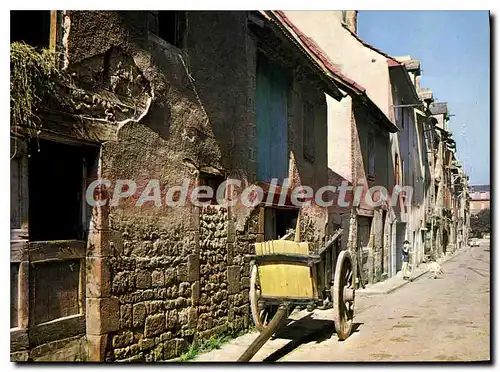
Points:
[[314, 62], [309, 46]]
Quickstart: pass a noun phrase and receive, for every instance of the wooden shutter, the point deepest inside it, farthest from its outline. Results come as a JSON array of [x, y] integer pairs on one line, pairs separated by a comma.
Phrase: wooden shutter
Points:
[[272, 121]]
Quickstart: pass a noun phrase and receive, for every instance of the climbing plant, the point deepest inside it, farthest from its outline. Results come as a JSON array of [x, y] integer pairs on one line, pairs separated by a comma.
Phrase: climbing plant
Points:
[[34, 79]]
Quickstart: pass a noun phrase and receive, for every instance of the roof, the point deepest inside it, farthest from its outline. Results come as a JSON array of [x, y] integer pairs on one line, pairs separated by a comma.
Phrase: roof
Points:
[[400, 77], [479, 188], [311, 46], [347, 84], [412, 65], [425, 94], [438, 108]]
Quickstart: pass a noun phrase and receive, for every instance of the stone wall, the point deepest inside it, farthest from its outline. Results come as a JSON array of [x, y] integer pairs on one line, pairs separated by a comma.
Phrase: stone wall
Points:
[[224, 282], [155, 279], [174, 288]]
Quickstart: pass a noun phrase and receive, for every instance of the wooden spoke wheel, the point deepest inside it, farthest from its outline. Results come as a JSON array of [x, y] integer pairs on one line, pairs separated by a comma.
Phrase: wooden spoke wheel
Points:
[[343, 295], [261, 316]]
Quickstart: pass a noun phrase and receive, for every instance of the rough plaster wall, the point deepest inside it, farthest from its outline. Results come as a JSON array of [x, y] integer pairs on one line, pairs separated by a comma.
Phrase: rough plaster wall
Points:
[[302, 171], [440, 121], [220, 72], [339, 136], [365, 66]]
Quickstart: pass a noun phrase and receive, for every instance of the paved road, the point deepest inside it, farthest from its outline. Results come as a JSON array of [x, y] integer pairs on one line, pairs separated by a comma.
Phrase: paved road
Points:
[[443, 319]]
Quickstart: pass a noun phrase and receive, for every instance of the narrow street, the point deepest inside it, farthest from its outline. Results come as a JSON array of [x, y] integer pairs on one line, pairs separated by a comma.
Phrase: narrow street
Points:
[[443, 319]]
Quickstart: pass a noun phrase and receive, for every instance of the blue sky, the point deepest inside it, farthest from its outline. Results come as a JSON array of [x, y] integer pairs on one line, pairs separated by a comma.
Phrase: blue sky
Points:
[[454, 50]]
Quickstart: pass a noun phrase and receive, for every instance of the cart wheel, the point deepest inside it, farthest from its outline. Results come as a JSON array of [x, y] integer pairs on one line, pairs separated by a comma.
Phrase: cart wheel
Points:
[[343, 295], [261, 317]]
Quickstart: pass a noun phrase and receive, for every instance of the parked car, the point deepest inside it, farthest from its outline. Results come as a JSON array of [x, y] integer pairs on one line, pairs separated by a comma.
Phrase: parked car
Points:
[[474, 242]]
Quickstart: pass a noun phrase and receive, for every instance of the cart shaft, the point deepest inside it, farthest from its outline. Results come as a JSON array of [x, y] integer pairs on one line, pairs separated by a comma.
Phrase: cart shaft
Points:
[[265, 335]]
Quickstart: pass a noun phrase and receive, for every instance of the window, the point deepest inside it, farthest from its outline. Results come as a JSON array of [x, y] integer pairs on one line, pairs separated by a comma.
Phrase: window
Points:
[[31, 27], [403, 172], [309, 145], [371, 155], [171, 27], [396, 169], [57, 177], [483, 195]]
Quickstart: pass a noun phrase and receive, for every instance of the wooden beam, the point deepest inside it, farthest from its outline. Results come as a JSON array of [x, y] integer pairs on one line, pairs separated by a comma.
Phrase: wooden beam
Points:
[[57, 250], [57, 330], [18, 250], [23, 311], [70, 129]]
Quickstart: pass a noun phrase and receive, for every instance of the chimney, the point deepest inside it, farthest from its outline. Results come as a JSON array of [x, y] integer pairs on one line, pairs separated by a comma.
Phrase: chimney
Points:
[[417, 82], [350, 19]]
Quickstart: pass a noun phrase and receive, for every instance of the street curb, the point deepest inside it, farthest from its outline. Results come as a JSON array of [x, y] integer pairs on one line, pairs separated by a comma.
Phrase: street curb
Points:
[[445, 259]]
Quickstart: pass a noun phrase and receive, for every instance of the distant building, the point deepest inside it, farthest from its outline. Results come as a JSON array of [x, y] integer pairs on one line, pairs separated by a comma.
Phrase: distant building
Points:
[[479, 198]]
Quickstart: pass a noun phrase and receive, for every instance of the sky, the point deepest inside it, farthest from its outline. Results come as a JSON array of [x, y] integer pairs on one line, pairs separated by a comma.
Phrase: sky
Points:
[[454, 52]]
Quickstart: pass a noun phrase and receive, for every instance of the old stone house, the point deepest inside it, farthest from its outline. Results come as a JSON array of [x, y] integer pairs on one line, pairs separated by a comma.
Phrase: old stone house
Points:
[[442, 215], [363, 145], [480, 198], [166, 96], [461, 205], [411, 157], [448, 209]]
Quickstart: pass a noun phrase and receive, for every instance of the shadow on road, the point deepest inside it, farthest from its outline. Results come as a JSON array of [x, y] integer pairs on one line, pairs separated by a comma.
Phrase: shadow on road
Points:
[[303, 331]]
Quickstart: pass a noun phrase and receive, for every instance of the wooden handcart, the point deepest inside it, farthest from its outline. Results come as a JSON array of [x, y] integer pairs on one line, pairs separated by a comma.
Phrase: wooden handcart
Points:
[[284, 275]]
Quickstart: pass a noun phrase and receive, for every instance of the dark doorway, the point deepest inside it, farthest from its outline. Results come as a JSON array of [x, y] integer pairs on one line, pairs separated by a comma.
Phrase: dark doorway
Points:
[[277, 221], [400, 238]]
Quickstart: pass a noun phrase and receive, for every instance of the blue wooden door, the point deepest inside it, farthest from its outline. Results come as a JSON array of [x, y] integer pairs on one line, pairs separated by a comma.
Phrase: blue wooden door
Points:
[[272, 123]]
